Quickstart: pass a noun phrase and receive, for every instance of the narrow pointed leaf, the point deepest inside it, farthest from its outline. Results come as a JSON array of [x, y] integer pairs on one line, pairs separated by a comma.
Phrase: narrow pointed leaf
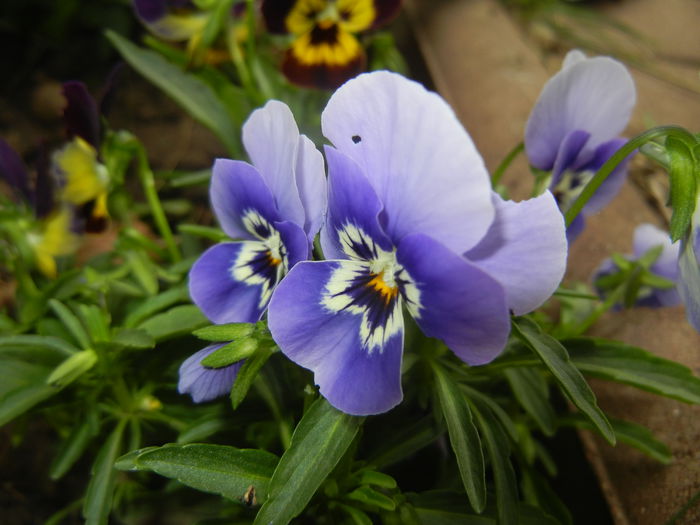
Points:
[[71, 322], [98, 498], [179, 320], [230, 353], [248, 373], [464, 438], [319, 441], [682, 171], [616, 361], [572, 383], [196, 97], [219, 469], [532, 393], [225, 332]]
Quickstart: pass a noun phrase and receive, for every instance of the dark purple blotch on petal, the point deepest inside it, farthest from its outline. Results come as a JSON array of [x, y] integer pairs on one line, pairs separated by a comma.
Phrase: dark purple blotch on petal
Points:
[[80, 115], [12, 169], [150, 10]]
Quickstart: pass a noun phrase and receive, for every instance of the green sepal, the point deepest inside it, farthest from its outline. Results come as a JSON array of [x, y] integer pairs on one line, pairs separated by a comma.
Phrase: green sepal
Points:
[[72, 368], [370, 497], [230, 353], [683, 170], [225, 332]]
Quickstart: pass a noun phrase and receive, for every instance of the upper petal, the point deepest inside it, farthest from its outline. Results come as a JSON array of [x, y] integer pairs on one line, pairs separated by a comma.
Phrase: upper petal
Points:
[[415, 153], [80, 115], [595, 95], [352, 228], [313, 333], [237, 187], [524, 250], [311, 182], [271, 138], [453, 300]]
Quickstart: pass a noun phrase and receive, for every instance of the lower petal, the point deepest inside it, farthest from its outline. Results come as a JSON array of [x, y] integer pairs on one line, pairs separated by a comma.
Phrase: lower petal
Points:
[[328, 341], [228, 287], [524, 250], [205, 384], [454, 300]]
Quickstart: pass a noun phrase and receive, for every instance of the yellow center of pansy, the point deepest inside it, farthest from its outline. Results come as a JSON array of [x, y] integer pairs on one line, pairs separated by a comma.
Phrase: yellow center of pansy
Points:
[[347, 15]]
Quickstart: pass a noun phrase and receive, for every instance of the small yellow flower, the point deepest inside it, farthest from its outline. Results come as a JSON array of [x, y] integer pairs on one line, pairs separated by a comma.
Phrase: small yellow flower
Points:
[[54, 239]]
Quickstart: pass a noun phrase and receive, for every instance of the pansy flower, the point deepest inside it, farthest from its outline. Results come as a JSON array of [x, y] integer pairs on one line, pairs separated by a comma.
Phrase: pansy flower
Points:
[[83, 179], [648, 237], [48, 230], [173, 20], [412, 224], [275, 207], [324, 52], [573, 129]]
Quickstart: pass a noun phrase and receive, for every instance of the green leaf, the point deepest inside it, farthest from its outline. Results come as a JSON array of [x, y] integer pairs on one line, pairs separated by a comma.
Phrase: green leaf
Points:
[[96, 320], [627, 364], [178, 321], [98, 498], [572, 383], [378, 479], [498, 447], [36, 347], [22, 385], [73, 447], [464, 438], [225, 332], [207, 232], [632, 434], [142, 269], [133, 338], [357, 516], [247, 374], [218, 469], [196, 97], [319, 441], [404, 442], [71, 322], [532, 392], [230, 353], [72, 368], [153, 305], [683, 191], [372, 498]]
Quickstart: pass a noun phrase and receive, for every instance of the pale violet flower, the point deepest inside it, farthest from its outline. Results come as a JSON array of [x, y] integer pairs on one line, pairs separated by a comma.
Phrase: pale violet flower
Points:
[[274, 206], [412, 224], [574, 129], [689, 267]]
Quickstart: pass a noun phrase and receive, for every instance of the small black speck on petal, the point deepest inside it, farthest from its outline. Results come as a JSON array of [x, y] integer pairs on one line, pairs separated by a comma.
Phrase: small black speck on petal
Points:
[[356, 138]]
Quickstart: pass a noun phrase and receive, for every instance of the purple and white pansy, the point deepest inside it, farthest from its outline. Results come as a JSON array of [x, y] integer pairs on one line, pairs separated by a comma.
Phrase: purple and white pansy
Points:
[[411, 222], [648, 237], [275, 207], [574, 129]]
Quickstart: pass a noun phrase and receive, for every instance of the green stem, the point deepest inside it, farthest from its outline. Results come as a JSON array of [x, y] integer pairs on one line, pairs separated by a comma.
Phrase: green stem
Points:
[[620, 155], [505, 163], [149, 188]]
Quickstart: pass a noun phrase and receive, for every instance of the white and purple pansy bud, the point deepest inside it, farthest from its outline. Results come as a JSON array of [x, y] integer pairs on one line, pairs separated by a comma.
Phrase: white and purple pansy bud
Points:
[[273, 207], [412, 224], [202, 383], [574, 129], [173, 20], [648, 237]]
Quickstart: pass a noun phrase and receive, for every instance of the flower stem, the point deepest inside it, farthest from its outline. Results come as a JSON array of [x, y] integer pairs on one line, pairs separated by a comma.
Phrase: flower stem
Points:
[[505, 163], [149, 188], [620, 155]]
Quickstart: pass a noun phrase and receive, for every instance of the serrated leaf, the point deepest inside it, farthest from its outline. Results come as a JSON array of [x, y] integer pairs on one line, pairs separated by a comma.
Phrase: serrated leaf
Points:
[[683, 190], [532, 392], [98, 498], [72, 368], [218, 469], [572, 383], [319, 441], [637, 436], [178, 321], [230, 353], [196, 97], [627, 364], [368, 496], [225, 332], [464, 438]]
